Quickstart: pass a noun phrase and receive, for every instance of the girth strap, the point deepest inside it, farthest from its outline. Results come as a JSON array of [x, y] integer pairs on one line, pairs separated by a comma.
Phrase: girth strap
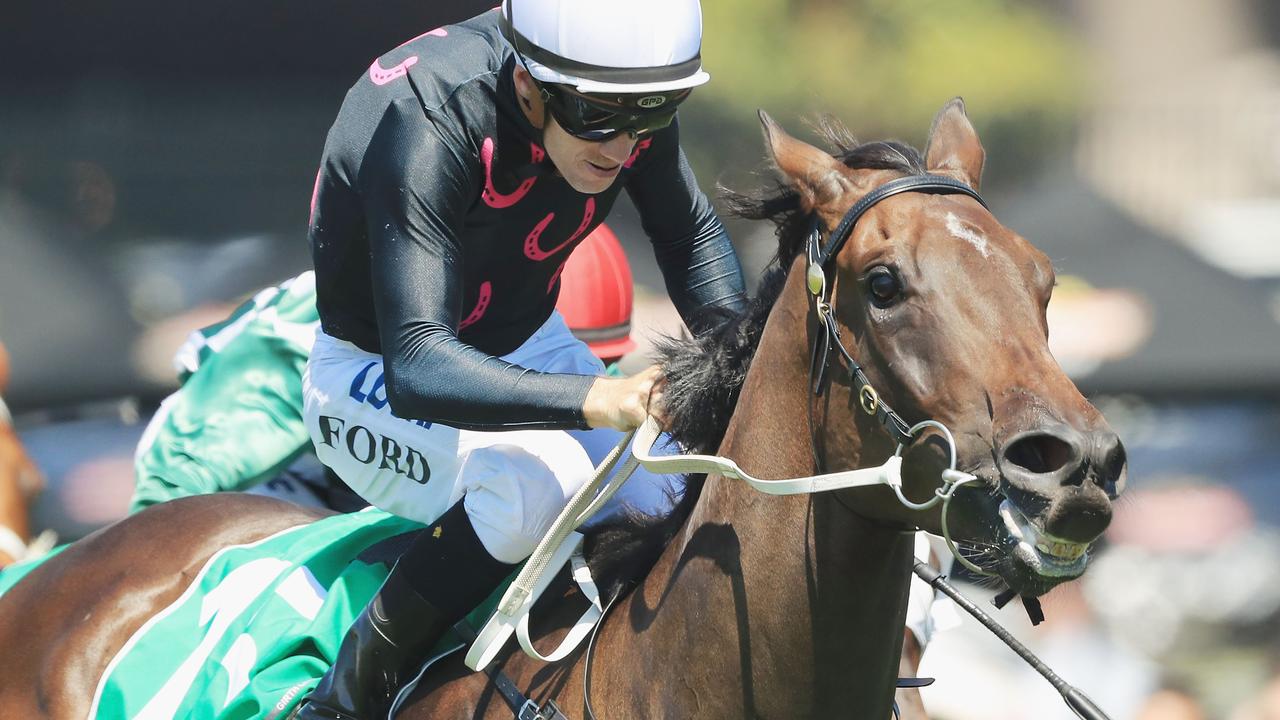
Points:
[[521, 706]]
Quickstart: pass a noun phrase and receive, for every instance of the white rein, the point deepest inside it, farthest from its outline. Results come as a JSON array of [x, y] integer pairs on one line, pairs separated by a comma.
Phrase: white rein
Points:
[[562, 544]]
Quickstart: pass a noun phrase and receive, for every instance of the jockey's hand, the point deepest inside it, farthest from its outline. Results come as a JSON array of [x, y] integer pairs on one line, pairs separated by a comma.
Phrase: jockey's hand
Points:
[[623, 403]]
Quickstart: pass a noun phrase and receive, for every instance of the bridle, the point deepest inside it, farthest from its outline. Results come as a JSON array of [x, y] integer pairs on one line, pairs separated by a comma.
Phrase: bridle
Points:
[[821, 259]]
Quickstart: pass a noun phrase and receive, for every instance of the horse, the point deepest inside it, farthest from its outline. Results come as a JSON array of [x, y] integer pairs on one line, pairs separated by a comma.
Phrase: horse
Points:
[[756, 605], [20, 481], [793, 606]]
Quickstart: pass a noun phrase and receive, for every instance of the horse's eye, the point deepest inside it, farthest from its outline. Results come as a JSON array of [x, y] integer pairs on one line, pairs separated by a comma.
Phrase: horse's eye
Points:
[[884, 286]]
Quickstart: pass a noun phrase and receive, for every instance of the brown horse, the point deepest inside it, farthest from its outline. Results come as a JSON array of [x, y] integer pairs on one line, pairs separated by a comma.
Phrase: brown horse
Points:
[[20, 481], [760, 606], [792, 607]]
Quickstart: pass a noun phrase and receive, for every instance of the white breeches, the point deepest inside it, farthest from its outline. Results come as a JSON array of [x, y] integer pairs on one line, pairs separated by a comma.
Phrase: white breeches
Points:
[[513, 484]]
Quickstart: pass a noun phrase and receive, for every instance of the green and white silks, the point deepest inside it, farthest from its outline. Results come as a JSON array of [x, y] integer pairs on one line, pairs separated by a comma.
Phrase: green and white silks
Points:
[[237, 420]]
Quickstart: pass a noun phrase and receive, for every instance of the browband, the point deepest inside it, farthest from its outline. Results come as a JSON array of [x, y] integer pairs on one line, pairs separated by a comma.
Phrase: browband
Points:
[[938, 184]]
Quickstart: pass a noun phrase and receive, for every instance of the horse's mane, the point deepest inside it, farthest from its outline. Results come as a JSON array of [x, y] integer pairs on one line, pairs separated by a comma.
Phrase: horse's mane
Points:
[[705, 374]]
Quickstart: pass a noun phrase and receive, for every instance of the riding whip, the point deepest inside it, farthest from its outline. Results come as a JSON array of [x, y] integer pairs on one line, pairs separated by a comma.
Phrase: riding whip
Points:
[[1075, 699]]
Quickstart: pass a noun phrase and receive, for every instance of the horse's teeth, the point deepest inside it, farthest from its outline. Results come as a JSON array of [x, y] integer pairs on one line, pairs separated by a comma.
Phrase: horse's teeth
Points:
[[1061, 550]]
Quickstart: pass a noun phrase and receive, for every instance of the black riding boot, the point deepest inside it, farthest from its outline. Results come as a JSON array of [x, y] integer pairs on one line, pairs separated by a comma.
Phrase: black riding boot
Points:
[[443, 575]]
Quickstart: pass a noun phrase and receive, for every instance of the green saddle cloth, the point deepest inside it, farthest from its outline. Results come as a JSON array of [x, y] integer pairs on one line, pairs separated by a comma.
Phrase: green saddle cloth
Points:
[[257, 628]]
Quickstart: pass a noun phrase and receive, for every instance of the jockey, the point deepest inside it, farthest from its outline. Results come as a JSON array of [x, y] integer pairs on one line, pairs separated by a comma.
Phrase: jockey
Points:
[[461, 172], [236, 422]]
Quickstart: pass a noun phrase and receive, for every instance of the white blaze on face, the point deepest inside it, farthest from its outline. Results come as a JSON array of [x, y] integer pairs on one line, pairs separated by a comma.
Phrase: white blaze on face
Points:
[[961, 232]]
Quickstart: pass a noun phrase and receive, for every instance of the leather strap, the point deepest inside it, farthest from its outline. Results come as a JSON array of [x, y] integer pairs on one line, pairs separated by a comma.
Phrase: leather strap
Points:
[[521, 706], [868, 399], [552, 552], [938, 184], [887, 474]]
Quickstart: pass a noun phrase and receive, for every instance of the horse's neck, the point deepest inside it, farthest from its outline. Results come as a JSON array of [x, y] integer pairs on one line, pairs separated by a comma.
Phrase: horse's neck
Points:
[[776, 606]]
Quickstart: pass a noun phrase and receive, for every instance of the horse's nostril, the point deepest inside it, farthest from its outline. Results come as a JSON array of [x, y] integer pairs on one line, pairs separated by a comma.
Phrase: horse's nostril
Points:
[[1039, 454], [1112, 467]]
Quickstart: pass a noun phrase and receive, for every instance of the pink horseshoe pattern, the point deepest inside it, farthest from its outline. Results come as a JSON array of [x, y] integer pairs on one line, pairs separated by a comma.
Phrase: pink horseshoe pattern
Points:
[[635, 154], [482, 306], [556, 275], [315, 193], [438, 32], [534, 252], [381, 76], [492, 197]]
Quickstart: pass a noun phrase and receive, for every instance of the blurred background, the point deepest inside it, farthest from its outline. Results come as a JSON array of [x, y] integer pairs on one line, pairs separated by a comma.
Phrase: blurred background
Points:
[[156, 161]]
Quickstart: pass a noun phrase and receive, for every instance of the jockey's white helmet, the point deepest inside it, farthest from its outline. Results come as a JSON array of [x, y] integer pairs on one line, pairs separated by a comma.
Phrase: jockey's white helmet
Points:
[[609, 46]]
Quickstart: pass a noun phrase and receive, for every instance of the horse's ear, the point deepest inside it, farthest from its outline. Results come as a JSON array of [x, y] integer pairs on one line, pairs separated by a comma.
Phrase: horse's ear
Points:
[[818, 176], [954, 149]]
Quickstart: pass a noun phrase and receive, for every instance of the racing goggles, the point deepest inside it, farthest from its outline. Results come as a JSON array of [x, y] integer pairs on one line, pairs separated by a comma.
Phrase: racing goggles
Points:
[[600, 117]]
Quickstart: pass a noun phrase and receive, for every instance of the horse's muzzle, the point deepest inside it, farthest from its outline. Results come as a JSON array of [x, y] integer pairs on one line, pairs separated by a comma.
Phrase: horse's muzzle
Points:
[[1064, 479]]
